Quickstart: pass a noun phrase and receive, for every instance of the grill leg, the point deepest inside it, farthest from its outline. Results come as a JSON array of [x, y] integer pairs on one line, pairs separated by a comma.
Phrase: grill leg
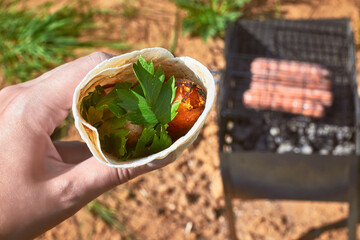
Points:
[[230, 218], [227, 185], [353, 200]]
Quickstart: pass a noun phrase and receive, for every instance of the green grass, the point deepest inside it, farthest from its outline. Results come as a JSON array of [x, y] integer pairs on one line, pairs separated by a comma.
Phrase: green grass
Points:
[[277, 11], [209, 19], [32, 41], [106, 214], [129, 9], [176, 32]]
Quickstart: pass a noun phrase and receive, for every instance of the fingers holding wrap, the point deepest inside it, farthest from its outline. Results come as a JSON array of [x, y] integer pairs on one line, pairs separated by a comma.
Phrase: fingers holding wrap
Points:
[[85, 181], [72, 152], [52, 94], [59, 85]]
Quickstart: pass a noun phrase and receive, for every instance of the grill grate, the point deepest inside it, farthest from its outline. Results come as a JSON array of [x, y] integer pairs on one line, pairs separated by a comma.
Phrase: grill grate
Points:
[[326, 42]]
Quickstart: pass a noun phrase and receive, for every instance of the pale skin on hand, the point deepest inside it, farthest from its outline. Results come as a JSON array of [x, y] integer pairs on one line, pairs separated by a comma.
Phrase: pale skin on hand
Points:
[[42, 183]]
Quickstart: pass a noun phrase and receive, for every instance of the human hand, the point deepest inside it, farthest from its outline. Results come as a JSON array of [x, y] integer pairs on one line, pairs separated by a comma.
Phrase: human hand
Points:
[[43, 182]]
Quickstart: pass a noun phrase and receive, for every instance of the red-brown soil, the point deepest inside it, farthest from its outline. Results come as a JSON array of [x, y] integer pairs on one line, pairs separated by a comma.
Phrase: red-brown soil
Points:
[[185, 199]]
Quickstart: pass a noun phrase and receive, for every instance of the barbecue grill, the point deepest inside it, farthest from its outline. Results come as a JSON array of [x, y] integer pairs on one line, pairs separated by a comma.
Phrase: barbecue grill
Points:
[[279, 155]]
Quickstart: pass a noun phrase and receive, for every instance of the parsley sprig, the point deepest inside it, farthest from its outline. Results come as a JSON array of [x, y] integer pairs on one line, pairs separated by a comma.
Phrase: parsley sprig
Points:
[[150, 103]]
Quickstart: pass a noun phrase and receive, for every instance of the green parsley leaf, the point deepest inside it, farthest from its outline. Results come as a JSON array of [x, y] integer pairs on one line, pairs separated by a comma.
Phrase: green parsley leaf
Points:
[[152, 140], [174, 107], [84, 107], [163, 107], [100, 90], [138, 90], [94, 116], [140, 112], [145, 139], [115, 143], [161, 139], [157, 97], [111, 101], [107, 99], [110, 125], [150, 83], [90, 100], [116, 108]]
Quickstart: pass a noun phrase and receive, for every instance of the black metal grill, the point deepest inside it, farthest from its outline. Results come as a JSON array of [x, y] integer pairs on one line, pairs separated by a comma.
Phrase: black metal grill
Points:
[[250, 139], [327, 42]]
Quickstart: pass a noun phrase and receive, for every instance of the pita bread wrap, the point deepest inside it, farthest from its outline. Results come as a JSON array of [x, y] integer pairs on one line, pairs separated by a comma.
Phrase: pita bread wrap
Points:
[[119, 69]]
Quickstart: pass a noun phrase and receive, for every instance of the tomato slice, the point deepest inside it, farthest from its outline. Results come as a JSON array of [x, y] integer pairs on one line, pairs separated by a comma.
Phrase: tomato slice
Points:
[[192, 103]]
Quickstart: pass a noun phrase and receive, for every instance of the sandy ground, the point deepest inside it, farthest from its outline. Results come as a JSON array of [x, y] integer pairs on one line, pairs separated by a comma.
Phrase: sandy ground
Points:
[[185, 199]]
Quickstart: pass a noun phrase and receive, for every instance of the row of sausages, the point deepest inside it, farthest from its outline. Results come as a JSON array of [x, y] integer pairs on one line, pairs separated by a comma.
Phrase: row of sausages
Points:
[[289, 86]]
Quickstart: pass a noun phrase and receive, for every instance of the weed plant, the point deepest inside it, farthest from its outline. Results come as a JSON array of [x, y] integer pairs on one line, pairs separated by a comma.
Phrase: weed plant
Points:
[[209, 18], [34, 40], [106, 214]]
